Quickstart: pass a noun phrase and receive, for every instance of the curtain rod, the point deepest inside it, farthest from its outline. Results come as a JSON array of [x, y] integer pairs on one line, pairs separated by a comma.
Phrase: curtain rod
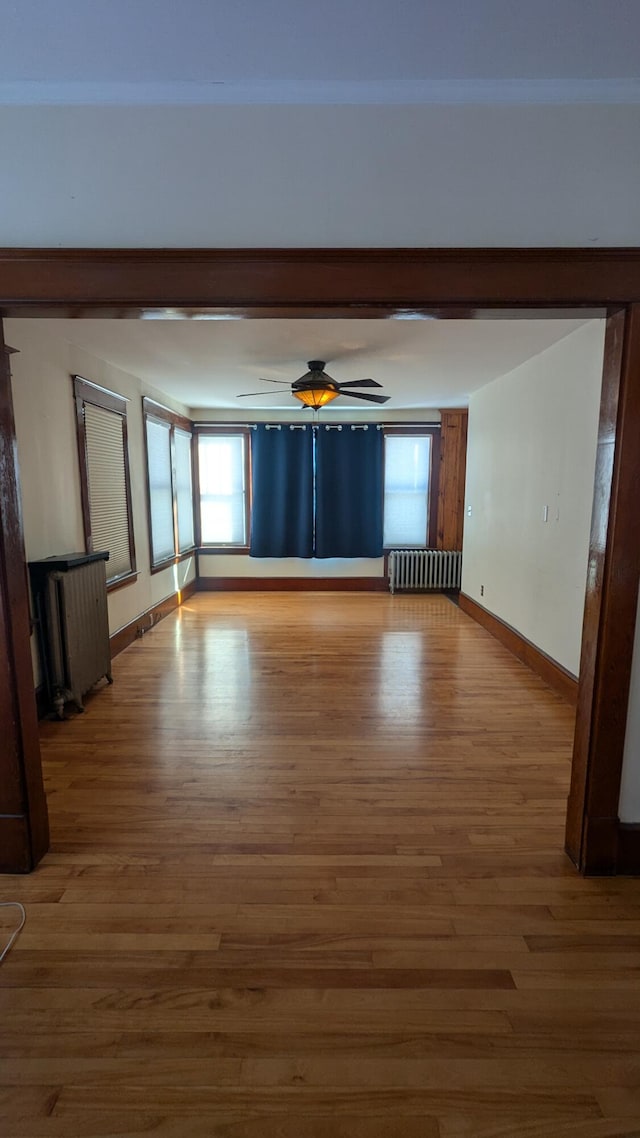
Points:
[[316, 426], [252, 426]]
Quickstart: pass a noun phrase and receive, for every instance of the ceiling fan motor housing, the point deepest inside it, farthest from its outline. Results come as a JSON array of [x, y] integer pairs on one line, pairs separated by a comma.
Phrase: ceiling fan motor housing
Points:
[[316, 377]]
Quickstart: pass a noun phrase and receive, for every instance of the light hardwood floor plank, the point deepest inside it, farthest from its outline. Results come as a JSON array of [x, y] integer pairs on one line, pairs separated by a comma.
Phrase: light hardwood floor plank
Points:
[[307, 881]]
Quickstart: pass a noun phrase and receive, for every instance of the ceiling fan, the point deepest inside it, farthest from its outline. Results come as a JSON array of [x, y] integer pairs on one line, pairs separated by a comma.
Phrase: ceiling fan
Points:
[[315, 388]]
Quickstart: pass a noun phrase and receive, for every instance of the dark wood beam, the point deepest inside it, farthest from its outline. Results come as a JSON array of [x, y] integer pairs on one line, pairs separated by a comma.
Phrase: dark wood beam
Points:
[[458, 282]]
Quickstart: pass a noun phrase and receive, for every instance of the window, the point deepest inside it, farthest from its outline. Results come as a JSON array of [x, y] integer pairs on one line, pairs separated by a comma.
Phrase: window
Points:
[[411, 462], [223, 464], [170, 491], [104, 477], [410, 487], [183, 486]]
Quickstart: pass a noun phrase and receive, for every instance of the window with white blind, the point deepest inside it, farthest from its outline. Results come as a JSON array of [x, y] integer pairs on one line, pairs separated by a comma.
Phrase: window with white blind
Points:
[[408, 489], [170, 490], [160, 490], [104, 477], [223, 485], [183, 488]]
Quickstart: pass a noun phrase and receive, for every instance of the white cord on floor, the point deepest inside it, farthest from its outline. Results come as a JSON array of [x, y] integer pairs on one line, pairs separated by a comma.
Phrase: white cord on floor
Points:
[[16, 932]]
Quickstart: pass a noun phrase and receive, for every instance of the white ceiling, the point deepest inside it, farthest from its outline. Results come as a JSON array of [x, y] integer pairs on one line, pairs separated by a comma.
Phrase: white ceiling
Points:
[[343, 123], [207, 364]]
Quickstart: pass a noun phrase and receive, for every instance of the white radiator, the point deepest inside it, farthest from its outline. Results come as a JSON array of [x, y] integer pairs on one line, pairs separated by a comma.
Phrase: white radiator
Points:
[[420, 569]]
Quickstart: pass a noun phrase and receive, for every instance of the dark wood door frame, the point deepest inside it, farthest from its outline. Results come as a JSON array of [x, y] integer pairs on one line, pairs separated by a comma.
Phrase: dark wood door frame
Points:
[[444, 283], [595, 841], [24, 830]]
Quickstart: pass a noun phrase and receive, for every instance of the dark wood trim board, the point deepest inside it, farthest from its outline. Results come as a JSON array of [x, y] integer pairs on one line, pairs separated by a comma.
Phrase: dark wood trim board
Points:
[[610, 608], [551, 672], [293, 584], [137, 628], [24, 825], [265, 282], [628, 859]]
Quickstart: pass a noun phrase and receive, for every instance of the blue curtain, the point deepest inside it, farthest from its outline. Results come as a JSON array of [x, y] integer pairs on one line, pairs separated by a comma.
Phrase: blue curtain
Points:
[[282, 492], [349, 492]]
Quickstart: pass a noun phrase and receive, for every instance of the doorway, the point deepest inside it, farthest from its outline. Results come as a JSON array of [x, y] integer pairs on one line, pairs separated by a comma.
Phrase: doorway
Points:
[[377, 283]]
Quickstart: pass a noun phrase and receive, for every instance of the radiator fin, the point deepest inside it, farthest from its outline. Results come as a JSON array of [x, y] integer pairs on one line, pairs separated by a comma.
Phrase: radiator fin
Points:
[[83, 602], [423, 569]]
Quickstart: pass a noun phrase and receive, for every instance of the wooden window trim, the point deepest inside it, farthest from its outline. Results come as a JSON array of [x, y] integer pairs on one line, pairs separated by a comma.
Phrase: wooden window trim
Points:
[[421, 429], [119, 582], [87, 392], [165, 414], [166, 564], [159, 413], [228, 550], [100, 396], [220, 429]]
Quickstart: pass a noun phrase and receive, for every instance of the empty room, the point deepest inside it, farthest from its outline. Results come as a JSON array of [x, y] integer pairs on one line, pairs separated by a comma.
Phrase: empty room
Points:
[[319, 563], [306, 865]]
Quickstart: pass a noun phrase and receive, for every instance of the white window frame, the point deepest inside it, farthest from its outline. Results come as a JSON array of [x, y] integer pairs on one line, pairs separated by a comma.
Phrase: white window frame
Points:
[[418, 430], [225, 432]]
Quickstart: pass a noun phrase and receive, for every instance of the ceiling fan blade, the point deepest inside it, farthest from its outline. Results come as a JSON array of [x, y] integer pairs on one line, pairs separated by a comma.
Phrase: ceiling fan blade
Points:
[[261, 379], [369, 398], [360, 383], [248, 394]]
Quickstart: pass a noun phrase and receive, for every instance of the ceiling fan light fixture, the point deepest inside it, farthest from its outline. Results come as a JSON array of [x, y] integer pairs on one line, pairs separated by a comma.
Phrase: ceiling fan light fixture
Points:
[[315, 397], [315, 388]]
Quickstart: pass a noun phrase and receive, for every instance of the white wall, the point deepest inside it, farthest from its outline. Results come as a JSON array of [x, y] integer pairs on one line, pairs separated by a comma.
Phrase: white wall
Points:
[[323, 176], [48, 457], [237, 565], [532, 444]]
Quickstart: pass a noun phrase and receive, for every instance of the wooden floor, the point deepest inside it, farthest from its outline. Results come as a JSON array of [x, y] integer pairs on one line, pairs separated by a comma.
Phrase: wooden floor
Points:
[[307, 881]]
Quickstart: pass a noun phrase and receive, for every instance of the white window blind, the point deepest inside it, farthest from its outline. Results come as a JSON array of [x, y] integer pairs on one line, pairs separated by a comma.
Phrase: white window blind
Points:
[[160, 490], [106, 475], [183, 488], [407, 464], [221, 464]]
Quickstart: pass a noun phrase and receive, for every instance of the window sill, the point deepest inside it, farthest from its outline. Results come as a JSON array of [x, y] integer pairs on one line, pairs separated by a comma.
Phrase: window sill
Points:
[[120, 582], [231, 549], [402, 548], [162, 565]]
